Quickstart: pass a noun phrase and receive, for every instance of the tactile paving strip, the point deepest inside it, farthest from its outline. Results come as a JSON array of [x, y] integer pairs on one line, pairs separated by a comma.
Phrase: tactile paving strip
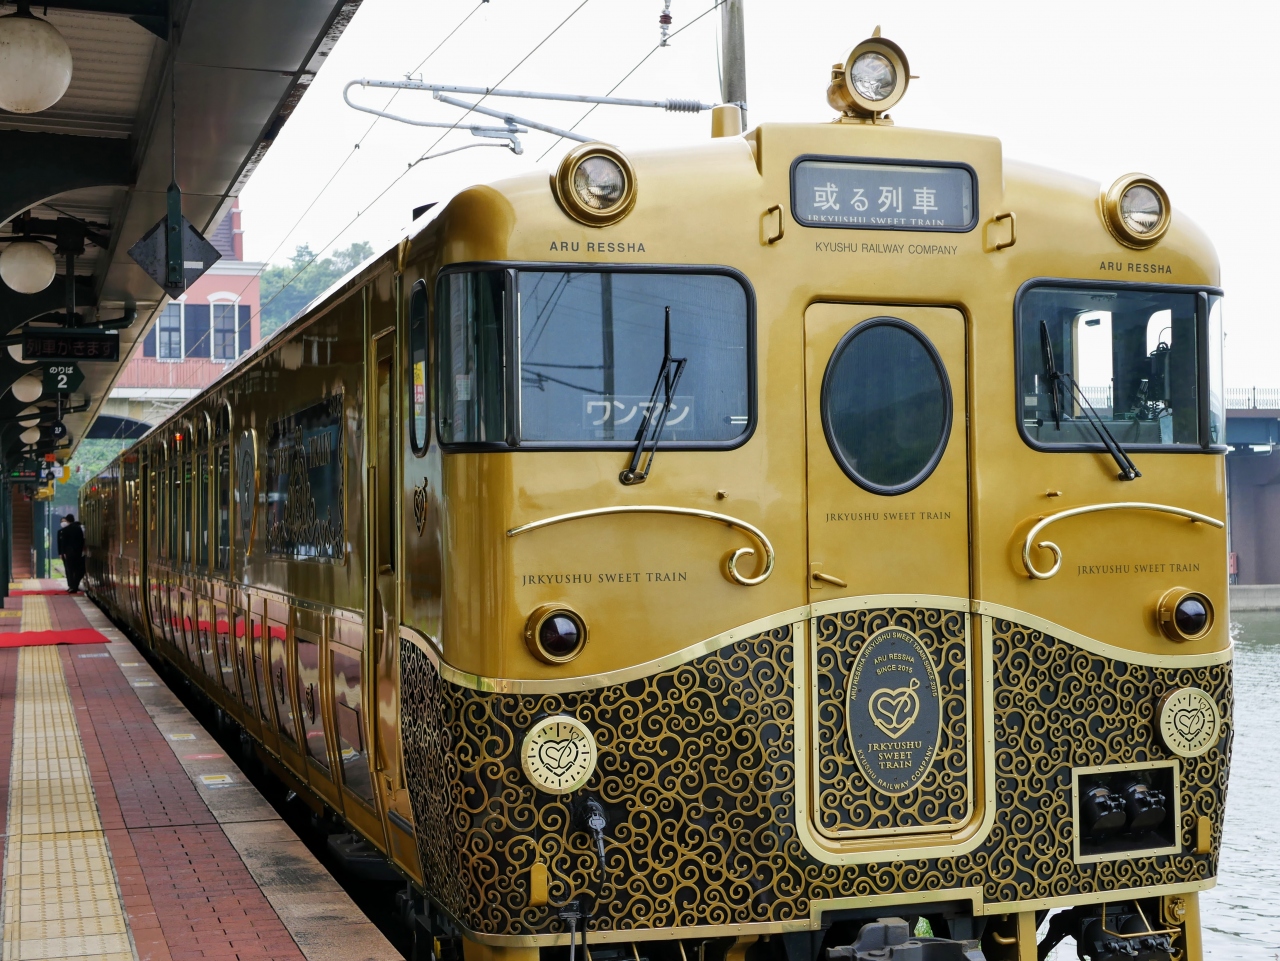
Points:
[[60, 898], [35, 615]]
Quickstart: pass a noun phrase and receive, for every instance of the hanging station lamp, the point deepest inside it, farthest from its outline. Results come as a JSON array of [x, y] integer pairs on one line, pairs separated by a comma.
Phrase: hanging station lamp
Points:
[[26, 266], [35, 62], [29, 388]]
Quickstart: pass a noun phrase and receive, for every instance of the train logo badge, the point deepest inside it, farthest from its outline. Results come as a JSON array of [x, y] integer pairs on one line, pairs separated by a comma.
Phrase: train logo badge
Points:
[[894, 711], [1189, 721], [558, 754]]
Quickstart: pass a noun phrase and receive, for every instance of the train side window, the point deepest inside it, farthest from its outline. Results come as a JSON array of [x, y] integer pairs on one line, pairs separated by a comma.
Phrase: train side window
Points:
[[175, 511], [203, 497], [222, 557], [420, 407], [470, 392], [242, 645], [1131, 353], [260, 663], [185, 510]]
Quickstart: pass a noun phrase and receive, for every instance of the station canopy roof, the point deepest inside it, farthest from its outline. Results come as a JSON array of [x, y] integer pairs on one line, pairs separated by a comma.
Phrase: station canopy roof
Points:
[[101, 156]]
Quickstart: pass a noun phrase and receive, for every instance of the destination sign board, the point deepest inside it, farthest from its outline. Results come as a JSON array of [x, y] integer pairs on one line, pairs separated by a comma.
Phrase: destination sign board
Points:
[[56, 343], [828, 192]]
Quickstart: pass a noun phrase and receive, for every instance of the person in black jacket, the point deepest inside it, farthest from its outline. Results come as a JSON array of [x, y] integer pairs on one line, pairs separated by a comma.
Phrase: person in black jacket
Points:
[[71, 550]]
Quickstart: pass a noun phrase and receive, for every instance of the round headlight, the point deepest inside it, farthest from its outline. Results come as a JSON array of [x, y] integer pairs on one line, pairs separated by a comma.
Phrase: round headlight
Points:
[[873, 76], [870, 80], [599, 183], [1136, 210], [555, 634], [595, 185], [1184, 615]]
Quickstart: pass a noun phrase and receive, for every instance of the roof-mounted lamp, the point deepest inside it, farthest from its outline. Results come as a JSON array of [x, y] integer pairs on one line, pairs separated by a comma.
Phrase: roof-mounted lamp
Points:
[[35, 62], [870, 80], [30, 436], [27, 266]]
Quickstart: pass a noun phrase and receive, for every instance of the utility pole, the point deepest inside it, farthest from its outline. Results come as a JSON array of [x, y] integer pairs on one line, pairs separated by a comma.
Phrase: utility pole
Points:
[[733, 45]]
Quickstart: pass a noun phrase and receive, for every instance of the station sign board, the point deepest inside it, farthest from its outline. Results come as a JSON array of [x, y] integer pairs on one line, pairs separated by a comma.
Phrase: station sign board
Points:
[[70, 344]]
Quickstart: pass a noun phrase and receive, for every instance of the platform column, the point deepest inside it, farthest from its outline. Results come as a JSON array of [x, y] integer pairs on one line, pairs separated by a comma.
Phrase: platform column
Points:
[[1027, 936]]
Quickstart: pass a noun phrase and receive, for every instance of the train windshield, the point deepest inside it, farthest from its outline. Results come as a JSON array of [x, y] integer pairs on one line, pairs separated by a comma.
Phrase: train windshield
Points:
[[1144, 365], [589, 347]]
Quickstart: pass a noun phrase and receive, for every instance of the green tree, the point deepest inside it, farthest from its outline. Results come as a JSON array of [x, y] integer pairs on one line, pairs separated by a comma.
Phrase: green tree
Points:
[[90, 457], [287, 288]]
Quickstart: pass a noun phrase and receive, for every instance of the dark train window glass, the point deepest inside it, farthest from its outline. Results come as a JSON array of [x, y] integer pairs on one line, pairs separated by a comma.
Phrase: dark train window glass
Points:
[[186, 510], [886, 406], [470, 391], [349, 718], [419, 422], [175, 499], [203, 494], [592, 345], [1132, 354], [222, 560]]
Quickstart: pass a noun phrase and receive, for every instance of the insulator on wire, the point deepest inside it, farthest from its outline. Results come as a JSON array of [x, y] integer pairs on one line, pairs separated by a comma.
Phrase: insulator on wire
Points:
[[664, 23], [684, 106]]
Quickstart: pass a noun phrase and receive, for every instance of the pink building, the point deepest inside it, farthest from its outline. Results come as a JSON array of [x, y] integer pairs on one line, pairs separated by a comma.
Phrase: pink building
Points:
[[195, 337]]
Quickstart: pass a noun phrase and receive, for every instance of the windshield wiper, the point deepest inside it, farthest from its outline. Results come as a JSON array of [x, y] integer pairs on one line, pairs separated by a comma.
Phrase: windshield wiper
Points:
[[1128, 470], [655, 417]]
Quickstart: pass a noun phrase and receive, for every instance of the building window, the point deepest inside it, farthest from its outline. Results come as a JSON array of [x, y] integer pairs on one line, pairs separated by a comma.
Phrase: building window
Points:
[[224, 331], [169, 342]]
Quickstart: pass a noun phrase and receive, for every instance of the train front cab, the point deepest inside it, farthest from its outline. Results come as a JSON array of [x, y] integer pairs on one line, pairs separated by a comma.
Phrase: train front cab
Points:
[[880, 633]]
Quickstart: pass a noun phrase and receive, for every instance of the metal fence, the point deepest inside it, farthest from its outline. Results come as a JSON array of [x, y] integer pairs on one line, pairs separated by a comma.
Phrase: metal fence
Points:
[[1253, 398]]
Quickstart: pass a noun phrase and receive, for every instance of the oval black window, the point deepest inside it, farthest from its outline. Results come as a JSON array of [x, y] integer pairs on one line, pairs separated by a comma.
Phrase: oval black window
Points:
[[886, 406]]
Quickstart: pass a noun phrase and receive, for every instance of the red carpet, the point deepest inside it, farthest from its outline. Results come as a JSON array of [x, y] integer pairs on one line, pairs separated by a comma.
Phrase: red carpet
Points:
[[29, 593], [83, 635]]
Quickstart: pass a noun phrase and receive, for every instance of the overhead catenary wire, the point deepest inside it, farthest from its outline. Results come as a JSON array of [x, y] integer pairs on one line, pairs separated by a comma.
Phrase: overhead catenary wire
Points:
[[628, 74], [425, 156], [328, 183]]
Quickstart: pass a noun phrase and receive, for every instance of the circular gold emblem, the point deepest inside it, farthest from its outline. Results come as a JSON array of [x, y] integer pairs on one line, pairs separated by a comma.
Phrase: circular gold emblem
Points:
[[558, 754], [1189, 721]]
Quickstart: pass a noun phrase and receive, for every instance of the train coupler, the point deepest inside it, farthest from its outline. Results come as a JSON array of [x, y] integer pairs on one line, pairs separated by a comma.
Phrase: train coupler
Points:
[[1110, 932], [890, 939]]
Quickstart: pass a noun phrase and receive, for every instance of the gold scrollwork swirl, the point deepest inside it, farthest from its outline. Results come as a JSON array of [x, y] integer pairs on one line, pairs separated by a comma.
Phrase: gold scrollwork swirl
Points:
[[731, 563], [697, 775], [1056, 551]]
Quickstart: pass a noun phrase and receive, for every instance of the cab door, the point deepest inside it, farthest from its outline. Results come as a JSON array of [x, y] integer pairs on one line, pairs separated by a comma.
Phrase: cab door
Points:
[[888, 498], [891, 662]]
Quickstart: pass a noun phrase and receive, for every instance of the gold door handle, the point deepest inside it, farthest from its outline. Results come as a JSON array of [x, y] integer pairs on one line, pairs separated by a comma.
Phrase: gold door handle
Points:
[[828, 579]]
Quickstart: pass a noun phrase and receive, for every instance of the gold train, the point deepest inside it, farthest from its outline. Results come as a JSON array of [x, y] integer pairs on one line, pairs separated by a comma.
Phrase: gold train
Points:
[[802, 545]]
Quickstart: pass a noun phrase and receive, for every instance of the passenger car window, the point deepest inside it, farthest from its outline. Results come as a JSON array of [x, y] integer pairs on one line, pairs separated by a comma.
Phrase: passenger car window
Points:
[[419, 423], [1133, 355], [886, 406]]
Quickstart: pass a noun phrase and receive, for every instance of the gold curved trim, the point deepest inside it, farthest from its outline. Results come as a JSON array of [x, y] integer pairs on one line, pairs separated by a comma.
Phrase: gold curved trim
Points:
[[585, 682], [1101, 648], [731, 564], [1093, 509]]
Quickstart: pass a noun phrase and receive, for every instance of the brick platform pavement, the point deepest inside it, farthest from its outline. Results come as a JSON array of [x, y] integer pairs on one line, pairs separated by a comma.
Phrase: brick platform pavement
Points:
[[203, 872]]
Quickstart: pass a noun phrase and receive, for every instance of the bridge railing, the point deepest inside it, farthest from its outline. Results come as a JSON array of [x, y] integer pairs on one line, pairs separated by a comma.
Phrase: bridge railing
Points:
[[1253, 398]]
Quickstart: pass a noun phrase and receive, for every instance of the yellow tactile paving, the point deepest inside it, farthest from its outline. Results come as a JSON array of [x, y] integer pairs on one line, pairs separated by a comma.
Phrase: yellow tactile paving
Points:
[[60, 897], [35, 616]]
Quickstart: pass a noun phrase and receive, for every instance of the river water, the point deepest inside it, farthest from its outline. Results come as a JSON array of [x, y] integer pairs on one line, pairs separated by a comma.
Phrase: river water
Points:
[[1241, 915]]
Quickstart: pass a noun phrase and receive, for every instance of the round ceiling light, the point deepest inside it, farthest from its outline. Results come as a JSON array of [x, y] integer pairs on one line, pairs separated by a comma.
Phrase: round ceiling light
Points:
[[1136, 211], [15, 351], [595, 185], [29, 417], [30, 435], [29, 388], [35, 63], [26, 266], [871, 79]]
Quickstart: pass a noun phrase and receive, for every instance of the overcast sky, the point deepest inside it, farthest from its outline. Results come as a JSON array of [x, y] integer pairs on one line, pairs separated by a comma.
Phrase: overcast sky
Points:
[[1183, 91]]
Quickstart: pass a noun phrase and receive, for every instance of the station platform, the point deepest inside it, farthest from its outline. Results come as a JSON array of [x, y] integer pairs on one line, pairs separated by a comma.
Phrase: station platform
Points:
[[129, 833]]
